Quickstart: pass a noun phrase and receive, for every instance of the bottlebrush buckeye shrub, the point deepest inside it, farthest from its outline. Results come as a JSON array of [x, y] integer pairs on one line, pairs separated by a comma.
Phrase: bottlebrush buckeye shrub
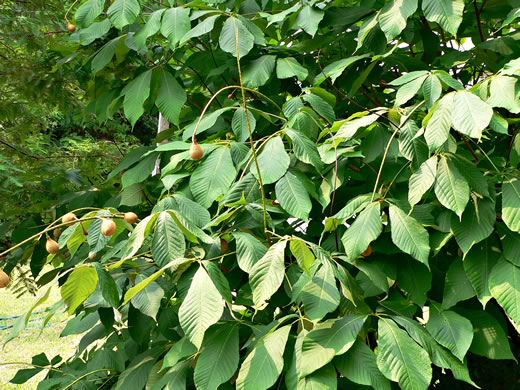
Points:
[[360, 159]]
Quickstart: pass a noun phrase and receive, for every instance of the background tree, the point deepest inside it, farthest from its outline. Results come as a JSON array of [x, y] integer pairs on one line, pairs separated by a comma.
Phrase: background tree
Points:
[[358, 191]]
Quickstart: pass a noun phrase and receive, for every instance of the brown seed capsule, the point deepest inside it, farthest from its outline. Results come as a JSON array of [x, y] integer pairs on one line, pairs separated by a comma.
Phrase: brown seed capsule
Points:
[[130, 217], [71, 27], [108, 227], [4, 279], [223, 246], [69, 219], [52, 246], [275, 203], [92, 255], [56, 233], [196, 151], [368, 252]]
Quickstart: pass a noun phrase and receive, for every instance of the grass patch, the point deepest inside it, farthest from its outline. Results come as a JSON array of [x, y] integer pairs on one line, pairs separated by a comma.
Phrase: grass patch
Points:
[[32, 341]]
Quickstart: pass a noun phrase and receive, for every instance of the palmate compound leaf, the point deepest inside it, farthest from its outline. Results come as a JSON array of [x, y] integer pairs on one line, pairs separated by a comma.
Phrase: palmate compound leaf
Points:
[[267, 274], [264, 363], [330, 338], [401, 359], [409, 235], [365, 229], [202, 307]]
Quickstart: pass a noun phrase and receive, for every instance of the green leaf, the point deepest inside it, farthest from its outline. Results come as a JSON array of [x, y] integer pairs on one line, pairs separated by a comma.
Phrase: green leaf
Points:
[[438, 127], [448, 13], [409, 77], [408, 91], [359, 365], [273, 161], [320, 295], [409, 235], [123, 12], [148, 300], [470, 114], [511, 203], [503, 92], [88, 12], [308, 19], [321, 106], [330, 338], [504, 284], [365, 229], [219, 357], [264, 363], [175, 24], [267, 274], [175, 378], [136, 375], [171, 96], [415, 279], [476, 224], [336, 69], [202, 307], [289, 67], [95, 31], [249, 250], [192, 210], [107, 286], [105, 55], [393, 16], [489, 338], [239, 124], [293, 196], [440, 356], [510, 244], [304, 149], [259, 71], [281, 16], [152, 26], [206, 123], [213, 177], [302, 253], [168, 241], [180, 350], [136, 92], [478, 263], [349, 127], [400, 359], [422, 180], [451, 187], [202, 28], [457, 286], [325, 378], [140, 232], [235, 38], [450, 330], [432, 89], [354, 206], [80, 284]]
